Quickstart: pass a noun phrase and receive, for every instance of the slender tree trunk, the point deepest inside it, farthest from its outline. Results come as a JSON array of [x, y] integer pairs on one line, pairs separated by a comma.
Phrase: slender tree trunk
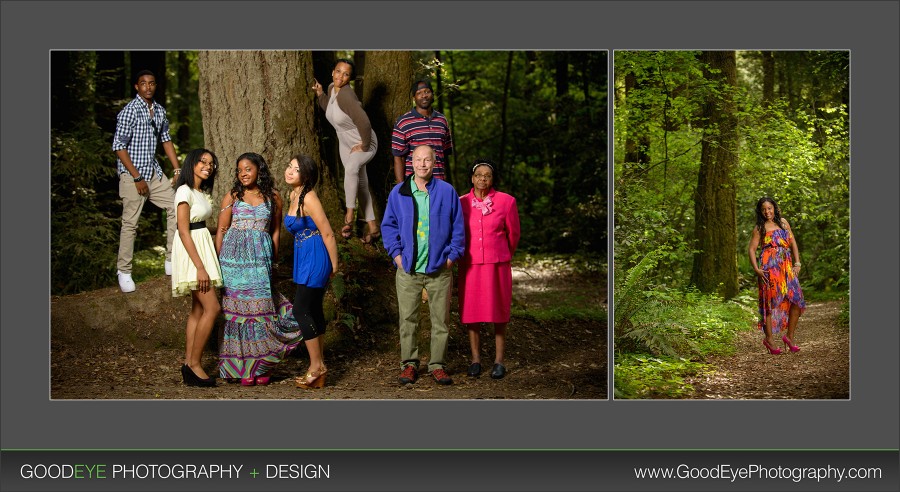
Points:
[[112, 87], [385, 97], [450, 105], [261, 101], [715, 265], [439, 81], [768, 64], [185, 91], [155, 61], [561, 63], [637, 142], [504, 130]]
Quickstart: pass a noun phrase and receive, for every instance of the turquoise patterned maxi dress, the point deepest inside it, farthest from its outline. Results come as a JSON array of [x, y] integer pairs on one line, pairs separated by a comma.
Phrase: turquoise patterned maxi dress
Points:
[[257, 336]]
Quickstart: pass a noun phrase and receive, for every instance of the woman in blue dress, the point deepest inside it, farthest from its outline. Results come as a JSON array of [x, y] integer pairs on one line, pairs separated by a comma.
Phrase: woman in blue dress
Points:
[[315, 261], [259, 332]]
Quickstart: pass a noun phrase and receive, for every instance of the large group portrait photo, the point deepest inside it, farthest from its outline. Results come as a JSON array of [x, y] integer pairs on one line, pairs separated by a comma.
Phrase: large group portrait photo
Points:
[[732, 225], [328, 225]]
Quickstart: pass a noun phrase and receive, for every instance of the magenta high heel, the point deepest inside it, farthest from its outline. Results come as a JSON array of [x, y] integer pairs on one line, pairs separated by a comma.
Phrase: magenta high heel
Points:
[[772, 350], [262, 380], [790, 344]]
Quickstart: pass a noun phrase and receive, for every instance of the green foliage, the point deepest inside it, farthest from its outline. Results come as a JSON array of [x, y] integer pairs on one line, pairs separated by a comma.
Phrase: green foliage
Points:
[[563, 313], [552, 155], [844, 317], [794, 148], [84, 240], [148, 263], [641, 376], [661, 333]]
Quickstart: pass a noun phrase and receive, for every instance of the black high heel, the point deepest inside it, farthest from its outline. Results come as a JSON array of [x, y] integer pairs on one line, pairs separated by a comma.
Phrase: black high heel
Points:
[[192, 379]]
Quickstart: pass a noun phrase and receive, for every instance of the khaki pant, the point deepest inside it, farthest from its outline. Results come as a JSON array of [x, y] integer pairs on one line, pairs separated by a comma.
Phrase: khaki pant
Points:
[[409, 298], [162, 195]]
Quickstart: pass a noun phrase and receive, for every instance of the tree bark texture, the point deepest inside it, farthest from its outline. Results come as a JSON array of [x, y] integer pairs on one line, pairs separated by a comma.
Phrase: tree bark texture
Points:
[[262, 101], [715, 265], [385, 96]]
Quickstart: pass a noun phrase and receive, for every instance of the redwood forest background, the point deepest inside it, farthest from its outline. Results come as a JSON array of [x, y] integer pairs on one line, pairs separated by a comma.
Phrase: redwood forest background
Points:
[[540, 115], [700, 136]]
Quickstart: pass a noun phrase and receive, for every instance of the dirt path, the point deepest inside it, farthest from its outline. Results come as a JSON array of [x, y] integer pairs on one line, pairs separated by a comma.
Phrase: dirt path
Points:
[[821, 370], [108, 345]]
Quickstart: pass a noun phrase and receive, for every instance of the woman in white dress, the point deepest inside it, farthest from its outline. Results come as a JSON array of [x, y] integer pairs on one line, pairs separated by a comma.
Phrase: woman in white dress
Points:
[[195, 265]]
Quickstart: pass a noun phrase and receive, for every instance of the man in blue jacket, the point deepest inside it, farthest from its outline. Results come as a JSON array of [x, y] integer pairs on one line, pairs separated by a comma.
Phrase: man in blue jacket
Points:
[[423, 232]]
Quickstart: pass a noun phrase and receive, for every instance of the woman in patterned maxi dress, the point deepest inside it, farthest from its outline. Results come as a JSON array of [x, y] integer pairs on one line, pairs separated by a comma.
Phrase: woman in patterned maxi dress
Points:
[[259, 332], [780, 298]]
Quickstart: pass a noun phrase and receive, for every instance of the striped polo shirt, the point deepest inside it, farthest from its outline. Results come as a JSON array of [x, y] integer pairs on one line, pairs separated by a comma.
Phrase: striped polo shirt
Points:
[[412, 129]]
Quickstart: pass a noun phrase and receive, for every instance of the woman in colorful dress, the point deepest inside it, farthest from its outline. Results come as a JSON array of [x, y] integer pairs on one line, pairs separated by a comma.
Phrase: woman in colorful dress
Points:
[[357, 145], [315, 262], [195, 266], [485, 273], [780, 298], [247, 243]]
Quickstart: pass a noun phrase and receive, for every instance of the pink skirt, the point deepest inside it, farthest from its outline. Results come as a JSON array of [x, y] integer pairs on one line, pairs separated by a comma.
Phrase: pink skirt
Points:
[[485, 292]]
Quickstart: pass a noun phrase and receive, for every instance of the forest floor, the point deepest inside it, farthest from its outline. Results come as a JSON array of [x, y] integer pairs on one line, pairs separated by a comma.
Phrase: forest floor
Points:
[[820, 370], [110, 345]]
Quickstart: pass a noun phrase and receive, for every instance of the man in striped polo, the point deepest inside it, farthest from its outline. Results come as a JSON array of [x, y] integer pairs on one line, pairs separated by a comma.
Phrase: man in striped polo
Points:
[[421, 126]]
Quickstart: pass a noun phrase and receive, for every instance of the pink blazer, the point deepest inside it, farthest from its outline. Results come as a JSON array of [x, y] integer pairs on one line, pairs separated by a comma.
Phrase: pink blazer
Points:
[[491, 238]]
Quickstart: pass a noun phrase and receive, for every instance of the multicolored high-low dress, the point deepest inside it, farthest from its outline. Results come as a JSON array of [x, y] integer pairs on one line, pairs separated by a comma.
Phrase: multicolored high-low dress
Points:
[[783, 289], [257, 336]]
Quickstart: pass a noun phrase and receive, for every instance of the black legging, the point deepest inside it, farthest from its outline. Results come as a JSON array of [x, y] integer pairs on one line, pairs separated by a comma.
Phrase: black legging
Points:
[[308, 311]]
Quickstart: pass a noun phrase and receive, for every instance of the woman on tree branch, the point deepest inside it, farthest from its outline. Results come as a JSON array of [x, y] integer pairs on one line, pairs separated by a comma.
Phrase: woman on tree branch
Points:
[[357, 144]]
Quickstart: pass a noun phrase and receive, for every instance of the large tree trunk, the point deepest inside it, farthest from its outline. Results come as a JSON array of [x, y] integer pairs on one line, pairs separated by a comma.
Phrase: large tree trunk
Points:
[[715, 264], [385, 96], [261, 101]]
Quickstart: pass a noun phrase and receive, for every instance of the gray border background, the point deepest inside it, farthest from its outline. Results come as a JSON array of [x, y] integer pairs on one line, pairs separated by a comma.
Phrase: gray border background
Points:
[[869, 29]]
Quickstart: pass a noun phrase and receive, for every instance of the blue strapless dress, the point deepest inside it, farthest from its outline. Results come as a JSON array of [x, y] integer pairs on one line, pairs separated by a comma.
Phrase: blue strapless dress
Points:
[[312, 265]]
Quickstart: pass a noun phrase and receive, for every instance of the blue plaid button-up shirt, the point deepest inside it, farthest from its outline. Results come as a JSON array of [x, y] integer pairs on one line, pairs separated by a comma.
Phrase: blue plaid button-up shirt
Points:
[[138, 135]]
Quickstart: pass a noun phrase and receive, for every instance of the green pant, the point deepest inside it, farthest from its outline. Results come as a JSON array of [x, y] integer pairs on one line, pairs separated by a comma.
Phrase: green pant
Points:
[[409, 297]]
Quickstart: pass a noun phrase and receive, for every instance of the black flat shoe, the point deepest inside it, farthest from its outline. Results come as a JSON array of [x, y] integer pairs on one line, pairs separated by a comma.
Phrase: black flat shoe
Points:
[[498, 371], [474, 370]]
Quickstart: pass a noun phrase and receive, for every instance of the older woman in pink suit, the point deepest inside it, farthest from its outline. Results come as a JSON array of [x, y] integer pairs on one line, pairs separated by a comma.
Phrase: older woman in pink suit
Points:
[[485, 274]]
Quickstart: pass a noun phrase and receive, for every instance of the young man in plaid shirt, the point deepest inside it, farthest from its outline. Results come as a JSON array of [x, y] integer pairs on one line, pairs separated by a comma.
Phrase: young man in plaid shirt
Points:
[[139, 126]]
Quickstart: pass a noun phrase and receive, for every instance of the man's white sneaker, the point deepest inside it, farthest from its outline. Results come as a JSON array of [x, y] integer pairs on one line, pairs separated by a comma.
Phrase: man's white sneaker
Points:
[[125, 282], [168, 267]]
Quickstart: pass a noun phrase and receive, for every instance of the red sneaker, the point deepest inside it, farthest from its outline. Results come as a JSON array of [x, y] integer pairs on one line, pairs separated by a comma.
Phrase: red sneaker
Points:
[[441, 376], [409, 374]]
